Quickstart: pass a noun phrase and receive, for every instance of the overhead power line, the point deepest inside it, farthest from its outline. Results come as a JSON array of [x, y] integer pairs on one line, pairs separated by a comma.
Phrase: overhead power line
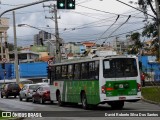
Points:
[[115, 35], [117, 28], [109, 27], [136, 8], [106, 11]]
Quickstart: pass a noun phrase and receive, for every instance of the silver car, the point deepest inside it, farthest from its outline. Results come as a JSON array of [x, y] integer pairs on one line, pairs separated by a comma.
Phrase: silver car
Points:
[[27, 91]]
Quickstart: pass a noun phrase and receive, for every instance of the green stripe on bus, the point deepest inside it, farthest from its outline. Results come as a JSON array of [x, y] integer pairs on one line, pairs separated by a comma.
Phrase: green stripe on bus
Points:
[[74, 88]]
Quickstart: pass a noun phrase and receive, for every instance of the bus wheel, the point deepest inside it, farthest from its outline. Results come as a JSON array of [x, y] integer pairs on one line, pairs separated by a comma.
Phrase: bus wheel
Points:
[[84, 101], [117, 105], [60, 103]]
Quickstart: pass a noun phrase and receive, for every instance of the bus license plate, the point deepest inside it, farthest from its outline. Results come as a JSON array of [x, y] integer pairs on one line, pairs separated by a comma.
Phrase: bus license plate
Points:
[[122, 98]]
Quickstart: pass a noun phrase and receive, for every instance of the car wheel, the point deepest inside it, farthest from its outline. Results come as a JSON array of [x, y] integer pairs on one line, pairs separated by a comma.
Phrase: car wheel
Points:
[[27, 99], [51, 101], [33, 100], [20, 98], [15, 96], [1, 95], [41, 101], [6, 95]]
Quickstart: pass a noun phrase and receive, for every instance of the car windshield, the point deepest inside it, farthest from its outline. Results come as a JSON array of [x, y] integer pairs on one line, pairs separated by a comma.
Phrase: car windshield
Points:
[[13, 86], [33, 87], [46, 88]]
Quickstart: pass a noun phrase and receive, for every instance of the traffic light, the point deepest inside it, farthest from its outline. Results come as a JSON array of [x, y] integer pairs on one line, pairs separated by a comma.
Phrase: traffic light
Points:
[[3, 65], [61, 4], [70, 4], [65, 4]]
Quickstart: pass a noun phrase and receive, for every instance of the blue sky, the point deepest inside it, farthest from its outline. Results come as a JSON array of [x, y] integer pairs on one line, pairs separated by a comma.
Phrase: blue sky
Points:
[[87, 22]]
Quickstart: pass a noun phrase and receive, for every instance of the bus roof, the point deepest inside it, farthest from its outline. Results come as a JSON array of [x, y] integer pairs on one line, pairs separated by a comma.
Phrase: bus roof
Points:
[[69, 61]]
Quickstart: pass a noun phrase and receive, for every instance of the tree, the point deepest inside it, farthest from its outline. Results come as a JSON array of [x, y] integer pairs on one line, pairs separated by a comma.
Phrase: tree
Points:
[[137, 43], [150, 31]]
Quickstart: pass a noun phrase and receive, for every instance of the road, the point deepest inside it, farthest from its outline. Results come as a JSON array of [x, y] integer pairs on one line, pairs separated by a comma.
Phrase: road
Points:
[[13, 104]]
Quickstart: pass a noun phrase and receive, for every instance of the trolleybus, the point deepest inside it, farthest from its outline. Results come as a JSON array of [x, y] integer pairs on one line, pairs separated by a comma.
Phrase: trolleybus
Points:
[[111, 79]]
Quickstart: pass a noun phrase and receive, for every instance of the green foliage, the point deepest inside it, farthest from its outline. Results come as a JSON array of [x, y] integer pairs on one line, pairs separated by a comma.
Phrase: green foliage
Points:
[[137, 43], [135, 36], [150, 30]]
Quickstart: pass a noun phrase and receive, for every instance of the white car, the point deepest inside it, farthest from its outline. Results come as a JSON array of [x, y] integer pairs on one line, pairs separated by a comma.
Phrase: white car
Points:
[[42, 83], [27, 91]]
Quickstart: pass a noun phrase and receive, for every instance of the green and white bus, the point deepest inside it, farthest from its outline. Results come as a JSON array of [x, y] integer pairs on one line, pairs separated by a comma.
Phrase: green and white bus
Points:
[[111, 79]]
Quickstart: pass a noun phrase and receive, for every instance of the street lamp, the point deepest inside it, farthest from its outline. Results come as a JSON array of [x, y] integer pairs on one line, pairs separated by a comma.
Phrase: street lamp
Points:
[[14, 29], [21, 25], [59, 39]]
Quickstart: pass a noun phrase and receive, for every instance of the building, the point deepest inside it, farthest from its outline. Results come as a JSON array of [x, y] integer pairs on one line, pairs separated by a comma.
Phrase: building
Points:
[[77, 48], [4, 26], [119, 46], [25, 56], [41, 37], [88, 45]]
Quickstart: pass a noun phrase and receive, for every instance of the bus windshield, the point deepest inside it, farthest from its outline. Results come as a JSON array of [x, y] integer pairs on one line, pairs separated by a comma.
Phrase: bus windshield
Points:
[[119, 67]]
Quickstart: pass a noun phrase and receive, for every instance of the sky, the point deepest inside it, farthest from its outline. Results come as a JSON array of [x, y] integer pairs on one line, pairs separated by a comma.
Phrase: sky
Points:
[[89, 21]]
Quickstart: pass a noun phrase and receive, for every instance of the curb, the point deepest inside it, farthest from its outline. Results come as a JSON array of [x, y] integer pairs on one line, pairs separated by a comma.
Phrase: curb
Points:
[[149, 101]]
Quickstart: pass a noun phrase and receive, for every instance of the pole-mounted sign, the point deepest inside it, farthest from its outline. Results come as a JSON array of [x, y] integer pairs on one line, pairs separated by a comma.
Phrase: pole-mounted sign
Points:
[[4, 60], [50, 62]]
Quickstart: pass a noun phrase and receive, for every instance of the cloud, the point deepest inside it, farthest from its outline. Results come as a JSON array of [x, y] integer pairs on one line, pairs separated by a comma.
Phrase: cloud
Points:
[[81, 24]]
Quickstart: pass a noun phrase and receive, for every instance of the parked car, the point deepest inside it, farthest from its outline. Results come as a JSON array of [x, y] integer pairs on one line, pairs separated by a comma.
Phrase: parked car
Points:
[[42, 83], [27, 91], [10, 89], [42, 94]]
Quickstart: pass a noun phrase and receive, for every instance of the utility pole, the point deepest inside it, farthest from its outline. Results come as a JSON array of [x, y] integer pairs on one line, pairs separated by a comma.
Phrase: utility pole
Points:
[[157, 3], [1, 35], [14, 26], [58, 50], [15, 49], [58, 56]]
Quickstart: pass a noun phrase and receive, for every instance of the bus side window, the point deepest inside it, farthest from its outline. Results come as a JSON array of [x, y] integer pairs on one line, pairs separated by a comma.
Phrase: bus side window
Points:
[[70, 72], [52, 78], [64, 72], [84, 70], [58, 72], [77, 71], [97, 70], [91, 70]]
